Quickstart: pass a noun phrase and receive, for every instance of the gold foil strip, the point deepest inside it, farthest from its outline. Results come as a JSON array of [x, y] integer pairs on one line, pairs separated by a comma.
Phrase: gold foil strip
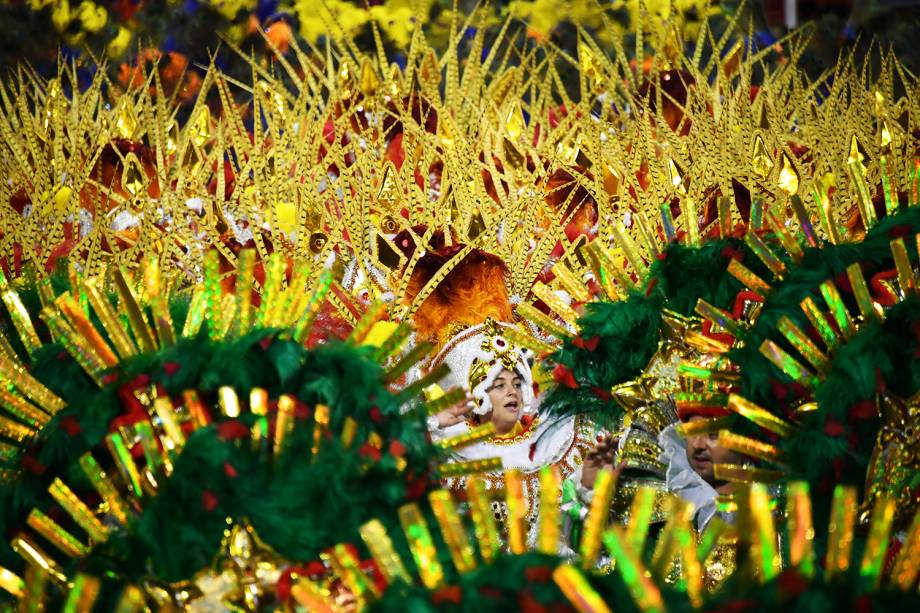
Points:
[[349, 431], [245, 269], [861, 292], [548, 526], [131, 601], [640, 515], [284, 422], [748, 278], [906, 279], [819, 322], [212, 294], [155, 456], [483, 520], [840, 531], [685, 400], [702, 426], [905, 570], [196, 408], [877, 541], [691, 220], [763, 253], [629, 248], [228, 402], [802, 214], [725, 216], [516, 521], [716, 531], [480, 433], [82, 353], [379, 544], [788, 364], [826, 217], [788, 241], [638, 579], [668, 545], [196, 313], [798, 339], [309, 595], [83, 594], [891, 198], [758, 415], [421, 545], [258, 401], [453, 531], [470, 467], [175, 438], [608, 268], [719, 317], [521, 339], [115, 504], [570, 283], [375, 311], [15, 430], [346, 567], [289, 309], [321, 417], [578, 591], [705, 344], [311, 310], [745, 474], [118, 336], [33, 599], [596, 521], [142, 333], [764, 550], [540, 319], [689, 370], [430, 378], [392, 344], [12, 583], [648, 237], [125, 463], [6, 350], [81, 514], [410, 359], [838, 309], [800, 528], [22, 409], [599, 270], [864, 200], [556, 304], [52, 532], [275, 270], [36, 556], [159, 303], [667, 223], [20, 317]]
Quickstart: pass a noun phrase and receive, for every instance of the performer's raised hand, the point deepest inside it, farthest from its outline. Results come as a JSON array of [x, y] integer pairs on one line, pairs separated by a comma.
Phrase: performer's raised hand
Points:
[[598, 459], [455, 414]]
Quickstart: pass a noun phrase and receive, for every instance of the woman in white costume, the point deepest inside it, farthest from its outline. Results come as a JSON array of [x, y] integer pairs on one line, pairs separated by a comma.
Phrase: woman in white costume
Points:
[[497, 376]]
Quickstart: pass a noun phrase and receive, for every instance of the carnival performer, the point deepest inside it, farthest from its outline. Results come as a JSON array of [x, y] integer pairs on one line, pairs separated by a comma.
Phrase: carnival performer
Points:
[[691, 474], [499, 379], [467, 314]]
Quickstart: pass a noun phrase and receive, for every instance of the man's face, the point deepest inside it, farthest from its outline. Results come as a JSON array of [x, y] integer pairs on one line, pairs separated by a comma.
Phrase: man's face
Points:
[[703, 451]]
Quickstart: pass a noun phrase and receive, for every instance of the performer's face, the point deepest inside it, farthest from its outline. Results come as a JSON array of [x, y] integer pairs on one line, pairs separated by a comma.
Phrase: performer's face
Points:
[[507, 401], [704, 451]]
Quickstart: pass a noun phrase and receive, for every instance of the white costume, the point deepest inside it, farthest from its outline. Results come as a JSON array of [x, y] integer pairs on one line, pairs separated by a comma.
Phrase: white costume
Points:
[[476, 357]]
